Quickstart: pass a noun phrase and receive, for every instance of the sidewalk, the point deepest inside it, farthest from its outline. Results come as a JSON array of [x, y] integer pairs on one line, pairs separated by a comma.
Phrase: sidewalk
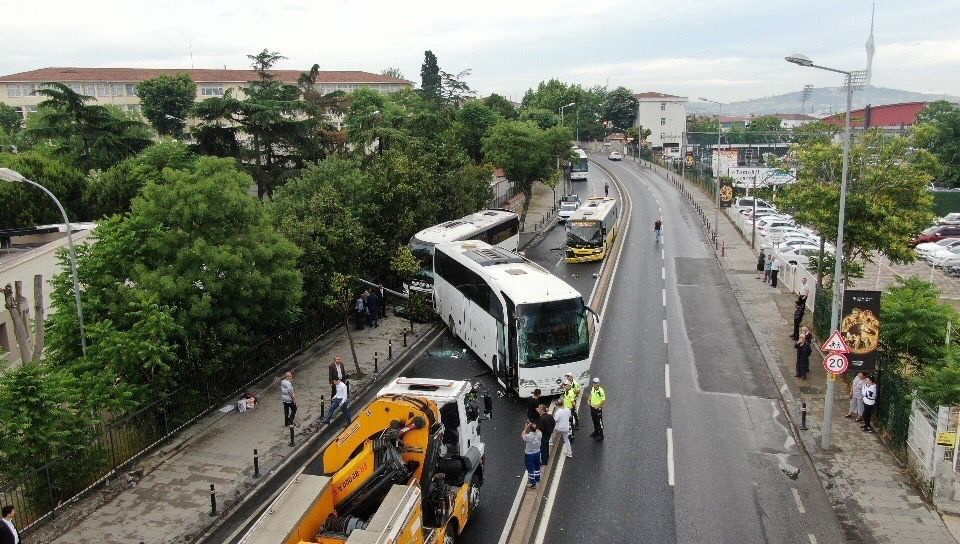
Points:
[[872, 495], [170, 500]]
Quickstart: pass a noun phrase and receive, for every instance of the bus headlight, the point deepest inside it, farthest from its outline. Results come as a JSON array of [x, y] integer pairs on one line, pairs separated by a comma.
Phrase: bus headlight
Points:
[[527, 383]]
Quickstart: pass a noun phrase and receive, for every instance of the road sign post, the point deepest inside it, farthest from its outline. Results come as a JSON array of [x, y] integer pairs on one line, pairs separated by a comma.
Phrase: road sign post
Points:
[[836, 363]]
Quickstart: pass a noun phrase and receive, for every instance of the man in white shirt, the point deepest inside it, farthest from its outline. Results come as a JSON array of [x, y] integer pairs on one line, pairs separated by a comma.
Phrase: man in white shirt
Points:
[[339, 401], [561, 418], [869, 401], [9, 533], [804, 292], [774, 271]]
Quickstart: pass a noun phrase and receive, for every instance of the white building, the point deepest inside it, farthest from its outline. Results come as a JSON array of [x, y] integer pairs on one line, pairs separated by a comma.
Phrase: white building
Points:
[[791, 121], [665, 116]]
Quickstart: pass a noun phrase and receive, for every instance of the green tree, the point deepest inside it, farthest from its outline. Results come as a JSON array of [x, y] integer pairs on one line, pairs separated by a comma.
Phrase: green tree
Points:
[[501, 105], [520, 148], [543, 118], [915, 321], [944, 138], [453, 89], [815, 132], [430, 80], [938, 384], [166, 102], [22, 205], [621, 107], [475, 119], [341, 298], [887, 199], [10, 119], [393, 72]]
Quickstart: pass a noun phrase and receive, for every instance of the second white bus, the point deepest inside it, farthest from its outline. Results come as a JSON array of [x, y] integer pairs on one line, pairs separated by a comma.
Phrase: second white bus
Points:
[[579, 166], [529, 326]]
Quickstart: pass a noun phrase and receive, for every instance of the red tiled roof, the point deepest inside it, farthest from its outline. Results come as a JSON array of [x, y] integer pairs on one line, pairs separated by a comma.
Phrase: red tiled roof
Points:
[[890, 115], [201, 75], [656, 95]]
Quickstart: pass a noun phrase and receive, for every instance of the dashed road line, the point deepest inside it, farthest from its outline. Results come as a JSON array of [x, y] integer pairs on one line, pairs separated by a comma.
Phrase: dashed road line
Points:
[[813, 539], [671, 479], [664, 330], [663, 272], [666, 379], [796, 499], [663, 295], [513, 509]]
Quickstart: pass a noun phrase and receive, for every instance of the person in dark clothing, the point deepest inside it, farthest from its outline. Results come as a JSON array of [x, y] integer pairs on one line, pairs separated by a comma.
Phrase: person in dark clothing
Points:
[[8, 532], [545, 423], [382, 293], [373, 309], [798, 312], [761, 264], [804, 349], [606, 189], [532, 403]]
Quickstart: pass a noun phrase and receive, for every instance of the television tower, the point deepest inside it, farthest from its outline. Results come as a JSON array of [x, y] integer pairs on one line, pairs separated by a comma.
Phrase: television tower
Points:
[[870, 47]]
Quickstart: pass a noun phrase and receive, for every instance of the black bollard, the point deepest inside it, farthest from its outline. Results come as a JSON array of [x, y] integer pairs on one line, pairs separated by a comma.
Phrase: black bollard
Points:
[[803, 416], [291, 436], [256, 463], [376, 361], [213, 498], [390, 350], [323, 406], [404, 337]]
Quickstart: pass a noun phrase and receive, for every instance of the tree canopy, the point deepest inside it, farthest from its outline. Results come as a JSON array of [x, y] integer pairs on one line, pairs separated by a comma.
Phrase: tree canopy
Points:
[[938, 130], [521, 149], [620, 107], [166, 102]]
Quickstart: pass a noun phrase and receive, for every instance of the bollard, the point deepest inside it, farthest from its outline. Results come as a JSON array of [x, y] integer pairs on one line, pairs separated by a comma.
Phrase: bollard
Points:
[[376, 362], [390, 350], [256, 463], [404, 337], [323, 406], [723, 249], [803, 416], [291, 437], [213, 498]]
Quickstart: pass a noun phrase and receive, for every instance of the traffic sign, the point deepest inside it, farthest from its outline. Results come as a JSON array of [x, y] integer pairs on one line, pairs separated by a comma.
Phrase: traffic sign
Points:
[[835, 344], [836, 363]]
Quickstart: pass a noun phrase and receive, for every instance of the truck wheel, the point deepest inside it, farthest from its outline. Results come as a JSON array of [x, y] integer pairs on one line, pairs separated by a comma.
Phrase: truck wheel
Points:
[[450, 534]]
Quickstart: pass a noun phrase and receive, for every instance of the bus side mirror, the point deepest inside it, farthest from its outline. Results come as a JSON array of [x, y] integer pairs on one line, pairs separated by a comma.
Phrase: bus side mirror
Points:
[[596, 316], [487, 407]]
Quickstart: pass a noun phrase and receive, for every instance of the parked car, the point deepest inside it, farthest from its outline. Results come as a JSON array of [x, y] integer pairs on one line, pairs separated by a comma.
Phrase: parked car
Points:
[[745, 204], [950, 219], [568, 205], [928, 248], [615, 156], [761, 220], [936, 233], [798, 255], [945, 257], [764, 226]]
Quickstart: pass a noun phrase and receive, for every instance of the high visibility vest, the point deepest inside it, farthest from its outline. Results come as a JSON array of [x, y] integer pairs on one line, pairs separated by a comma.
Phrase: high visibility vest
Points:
[[575, 387], [597, 396], [570, 399]]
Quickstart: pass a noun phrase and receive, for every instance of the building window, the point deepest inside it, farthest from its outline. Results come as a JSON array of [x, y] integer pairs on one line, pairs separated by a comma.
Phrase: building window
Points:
[[103, 89], [133, 108], [211, 91], [131, 89], [663, 106], [29, 89], [29, 110], [663, 135], [75, 87], [117, 89], [13, 91], [89, 89], [663, 121], [19, 111]]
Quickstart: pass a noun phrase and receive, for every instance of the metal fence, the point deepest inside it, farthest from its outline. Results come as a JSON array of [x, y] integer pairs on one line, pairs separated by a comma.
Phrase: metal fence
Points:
[[113, 447], [502, 192]]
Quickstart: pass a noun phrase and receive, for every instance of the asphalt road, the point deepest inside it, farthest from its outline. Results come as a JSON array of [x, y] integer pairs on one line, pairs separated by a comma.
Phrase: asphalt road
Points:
[[679, 363]]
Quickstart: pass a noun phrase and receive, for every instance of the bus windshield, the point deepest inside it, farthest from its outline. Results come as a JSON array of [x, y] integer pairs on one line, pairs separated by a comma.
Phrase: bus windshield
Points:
[[584, 234], [423, 252], [552, 333], [579, 165]]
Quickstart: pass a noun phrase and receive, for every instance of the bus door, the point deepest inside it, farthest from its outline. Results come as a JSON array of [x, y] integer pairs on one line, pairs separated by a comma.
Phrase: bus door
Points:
[[510, 369]]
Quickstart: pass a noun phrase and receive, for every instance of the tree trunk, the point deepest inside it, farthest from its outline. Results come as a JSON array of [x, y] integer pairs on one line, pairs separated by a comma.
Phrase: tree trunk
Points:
[[527, 197], [13, 301], [353, 349], [38, 318]]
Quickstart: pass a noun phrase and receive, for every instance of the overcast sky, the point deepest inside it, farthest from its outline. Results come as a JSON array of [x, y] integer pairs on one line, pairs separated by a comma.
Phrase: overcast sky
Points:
[[729, 50]]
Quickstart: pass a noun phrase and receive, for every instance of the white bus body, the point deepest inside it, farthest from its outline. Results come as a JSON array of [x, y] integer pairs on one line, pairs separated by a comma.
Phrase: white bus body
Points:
[[496, 227], [580, 166], [527, 325]]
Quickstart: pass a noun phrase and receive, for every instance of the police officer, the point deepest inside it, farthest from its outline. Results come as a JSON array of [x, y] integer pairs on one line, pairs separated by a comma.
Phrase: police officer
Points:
[[575, 387], [598, 397]]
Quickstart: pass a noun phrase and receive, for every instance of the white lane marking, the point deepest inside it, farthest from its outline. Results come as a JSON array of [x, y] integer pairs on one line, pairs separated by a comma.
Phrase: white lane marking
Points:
[[513, 510], [664, 330], [559, 262], [551, 496], [663, 254], [796, 499], [670, 473], [663, 295], [666, 379], [813, 539], [663, 272]]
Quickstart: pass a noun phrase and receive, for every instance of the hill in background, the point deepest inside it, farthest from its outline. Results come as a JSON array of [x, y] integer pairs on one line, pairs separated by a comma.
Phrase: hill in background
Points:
[[822, 101]]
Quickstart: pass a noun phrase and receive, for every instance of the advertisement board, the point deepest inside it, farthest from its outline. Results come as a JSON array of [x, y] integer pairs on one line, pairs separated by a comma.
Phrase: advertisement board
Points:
[[726, 193], [763, 177], [860, 325], [728, 159]]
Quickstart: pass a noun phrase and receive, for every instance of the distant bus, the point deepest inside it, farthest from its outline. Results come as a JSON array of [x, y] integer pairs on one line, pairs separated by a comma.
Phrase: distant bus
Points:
[[527, 325], [495, 227], [579, 166], [591, 230]]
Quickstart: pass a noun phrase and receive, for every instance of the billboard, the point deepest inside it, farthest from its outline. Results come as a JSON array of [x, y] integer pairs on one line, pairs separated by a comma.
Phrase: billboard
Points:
[[728, 160], [763, 177], [860, 326], [726, 193]]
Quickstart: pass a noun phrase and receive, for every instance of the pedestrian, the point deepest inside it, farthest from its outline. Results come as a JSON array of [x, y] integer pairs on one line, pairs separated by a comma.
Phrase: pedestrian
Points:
[[804, 349], [761, 263], [798, 312], [382, 293], [359, 307], [532, 404], [598, 397], [570, 396], [774, 271], [8, 532], [561, 419], [336, 371], [339, 401], [803, 292], [288, 398], [531, 452], [546, 424], [606, 189], [869, 401], [373, 309], [856, 397], [766, 268]]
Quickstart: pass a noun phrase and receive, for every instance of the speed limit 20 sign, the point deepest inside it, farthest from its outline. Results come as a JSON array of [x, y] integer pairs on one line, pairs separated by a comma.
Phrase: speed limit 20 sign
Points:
[[835, 363]]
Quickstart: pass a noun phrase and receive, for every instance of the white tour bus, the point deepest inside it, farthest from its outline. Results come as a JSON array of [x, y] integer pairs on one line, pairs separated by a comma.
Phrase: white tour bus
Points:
[[527, 325], [580, 166], [500, 228]]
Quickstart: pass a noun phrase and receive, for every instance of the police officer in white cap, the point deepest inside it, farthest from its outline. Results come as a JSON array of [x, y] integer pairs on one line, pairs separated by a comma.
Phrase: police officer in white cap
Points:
[[598, 397]]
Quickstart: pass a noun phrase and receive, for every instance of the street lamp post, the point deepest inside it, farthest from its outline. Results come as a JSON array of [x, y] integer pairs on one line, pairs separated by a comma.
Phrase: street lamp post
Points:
[[716, 189], [803, 60], [7, 174], [567, 189]]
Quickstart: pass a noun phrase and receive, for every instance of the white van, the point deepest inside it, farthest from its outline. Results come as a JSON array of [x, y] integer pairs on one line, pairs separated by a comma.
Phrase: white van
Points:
[[746, 203]]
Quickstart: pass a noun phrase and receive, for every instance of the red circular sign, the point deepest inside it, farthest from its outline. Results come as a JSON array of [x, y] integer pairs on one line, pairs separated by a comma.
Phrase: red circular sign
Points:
[[836, 363]]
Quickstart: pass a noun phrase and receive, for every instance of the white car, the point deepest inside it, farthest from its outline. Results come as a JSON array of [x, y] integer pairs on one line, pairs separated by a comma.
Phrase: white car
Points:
[[798, 255], [945, 257], [568, 205], [762, 220], [776, 234], [746, 205], [950, 219], [615, 156], [925, 249], [764, 226]]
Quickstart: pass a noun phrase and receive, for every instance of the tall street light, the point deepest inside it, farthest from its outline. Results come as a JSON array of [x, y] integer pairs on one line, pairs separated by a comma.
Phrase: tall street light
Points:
[[849, 77], [12, 176], [561, 124], [716, 189]]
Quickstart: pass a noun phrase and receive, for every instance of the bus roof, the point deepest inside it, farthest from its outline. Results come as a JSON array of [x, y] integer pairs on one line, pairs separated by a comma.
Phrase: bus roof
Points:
[[579, 152], [596, 208], [465, 227], [520, 279]]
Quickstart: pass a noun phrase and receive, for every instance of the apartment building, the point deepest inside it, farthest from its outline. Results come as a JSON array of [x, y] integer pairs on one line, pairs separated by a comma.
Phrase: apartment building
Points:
[[665, 116], [118, 86]]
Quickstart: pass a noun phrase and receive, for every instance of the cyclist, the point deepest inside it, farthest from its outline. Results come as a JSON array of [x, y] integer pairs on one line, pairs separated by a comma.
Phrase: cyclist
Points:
[[658, 230]]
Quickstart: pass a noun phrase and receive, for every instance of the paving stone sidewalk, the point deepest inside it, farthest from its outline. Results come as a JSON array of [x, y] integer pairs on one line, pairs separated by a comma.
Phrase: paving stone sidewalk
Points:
[[171, 501], [871, 492]]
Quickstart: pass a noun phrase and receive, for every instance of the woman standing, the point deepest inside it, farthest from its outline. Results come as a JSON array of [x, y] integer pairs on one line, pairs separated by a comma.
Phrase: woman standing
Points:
[[856, 398], [869, 401], [804, 349], [761, 262], [766, 268]]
